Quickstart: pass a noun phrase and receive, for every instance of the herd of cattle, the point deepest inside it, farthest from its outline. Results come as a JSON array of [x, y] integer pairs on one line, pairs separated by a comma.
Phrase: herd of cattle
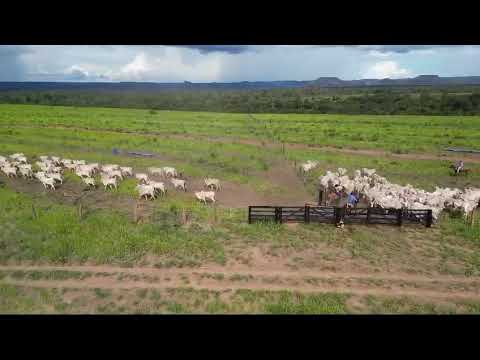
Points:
[[365, 183], [51, 173], [377, 191]]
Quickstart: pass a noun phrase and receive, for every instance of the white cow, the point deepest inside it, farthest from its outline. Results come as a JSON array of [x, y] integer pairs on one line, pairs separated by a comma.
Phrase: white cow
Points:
[[83, 171], [109, 167], [47, 182], [56, 160], [177, 183], [205, 195], [115, 173], [126, 171], [155, 171], [309, 165], [142, 177], [79, 162], [170, 171], [55, 176], [22, 159], [158, 186], [26, 172], [89, 181], [70, 166], [146, 191], [109, 182], [9, 170], [212, 183]]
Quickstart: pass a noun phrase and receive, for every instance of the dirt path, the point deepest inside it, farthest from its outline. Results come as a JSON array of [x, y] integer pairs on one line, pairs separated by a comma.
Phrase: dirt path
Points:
[[467, 157], [218, 278]]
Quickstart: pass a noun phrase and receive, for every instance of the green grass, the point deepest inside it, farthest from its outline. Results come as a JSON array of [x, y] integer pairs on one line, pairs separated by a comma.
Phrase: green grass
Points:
[[230, 161], [30, 300], [58, 235], [392, 132], [291, 303], [405, 305]]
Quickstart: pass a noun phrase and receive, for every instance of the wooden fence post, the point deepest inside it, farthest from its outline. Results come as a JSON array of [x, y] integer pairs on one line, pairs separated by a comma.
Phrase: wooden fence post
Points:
[[307, 214], [399, 217], [214, 213], [278, 214], [34, 212], [80, 211], [429, 218], [368, 215], [249, 214], [135, 215]]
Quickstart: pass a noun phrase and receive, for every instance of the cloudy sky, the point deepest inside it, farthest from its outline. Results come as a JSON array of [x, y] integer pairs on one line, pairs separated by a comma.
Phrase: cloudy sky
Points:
[[223, 63]]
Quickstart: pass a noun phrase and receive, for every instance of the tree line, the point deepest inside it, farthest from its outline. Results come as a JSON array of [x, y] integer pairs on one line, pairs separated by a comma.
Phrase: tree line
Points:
[[379, 101]]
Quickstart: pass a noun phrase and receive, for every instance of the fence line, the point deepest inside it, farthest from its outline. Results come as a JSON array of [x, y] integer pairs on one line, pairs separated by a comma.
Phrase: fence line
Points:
[[335, 215]]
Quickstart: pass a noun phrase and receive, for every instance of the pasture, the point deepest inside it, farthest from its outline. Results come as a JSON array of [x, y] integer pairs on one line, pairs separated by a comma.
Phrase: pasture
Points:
[[246, 268]]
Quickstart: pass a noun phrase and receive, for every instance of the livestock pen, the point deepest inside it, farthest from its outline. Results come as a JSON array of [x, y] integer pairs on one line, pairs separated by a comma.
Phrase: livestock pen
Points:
[[335, 215]]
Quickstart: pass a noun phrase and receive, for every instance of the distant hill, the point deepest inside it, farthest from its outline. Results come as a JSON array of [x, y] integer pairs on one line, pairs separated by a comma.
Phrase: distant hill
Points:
[[322, 82], [421, 80]]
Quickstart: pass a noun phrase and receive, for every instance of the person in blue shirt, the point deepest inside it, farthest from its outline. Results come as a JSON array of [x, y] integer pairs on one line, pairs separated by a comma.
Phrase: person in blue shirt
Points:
[[352, 200]]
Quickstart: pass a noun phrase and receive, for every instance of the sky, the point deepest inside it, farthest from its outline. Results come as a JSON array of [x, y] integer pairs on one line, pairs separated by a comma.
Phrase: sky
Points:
[[232, 63]]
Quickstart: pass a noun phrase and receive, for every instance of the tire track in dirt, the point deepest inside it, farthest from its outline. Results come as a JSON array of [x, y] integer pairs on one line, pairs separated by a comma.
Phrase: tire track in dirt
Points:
[[240, 270], [444, 287], [106, 283], [470, 158]]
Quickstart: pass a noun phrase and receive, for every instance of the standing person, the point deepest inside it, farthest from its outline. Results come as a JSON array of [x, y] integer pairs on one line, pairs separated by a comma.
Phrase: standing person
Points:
[[458, 166], [352, 200]]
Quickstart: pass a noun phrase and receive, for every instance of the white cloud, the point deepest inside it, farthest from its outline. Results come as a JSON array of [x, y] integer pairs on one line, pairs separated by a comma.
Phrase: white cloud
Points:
[[257, 63], [386, 69], [137, 68], [174, 65], [77, 71], [379, 54]]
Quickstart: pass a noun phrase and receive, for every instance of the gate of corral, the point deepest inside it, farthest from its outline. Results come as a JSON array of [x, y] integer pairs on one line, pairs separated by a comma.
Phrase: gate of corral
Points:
[[334, 215]]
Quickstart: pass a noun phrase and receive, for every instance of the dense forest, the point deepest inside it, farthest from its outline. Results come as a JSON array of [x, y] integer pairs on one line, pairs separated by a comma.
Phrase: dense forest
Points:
[[458, 100]]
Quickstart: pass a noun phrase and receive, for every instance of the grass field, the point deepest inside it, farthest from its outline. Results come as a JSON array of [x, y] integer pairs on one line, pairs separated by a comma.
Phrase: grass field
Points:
[[102, 229], [394, 133]]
